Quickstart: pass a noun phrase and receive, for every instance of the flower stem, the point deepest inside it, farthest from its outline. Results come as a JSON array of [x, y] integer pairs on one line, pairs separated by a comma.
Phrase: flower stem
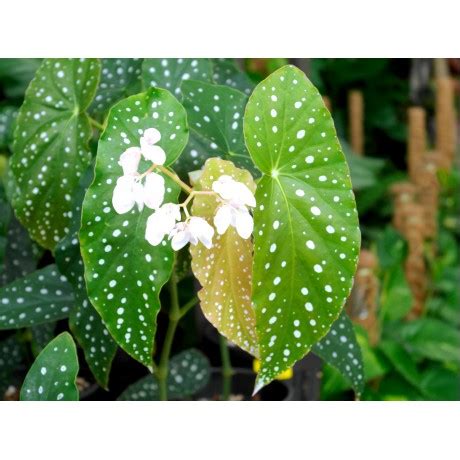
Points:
[[96, 124], [174, 317], [175, 178], [227, 371]]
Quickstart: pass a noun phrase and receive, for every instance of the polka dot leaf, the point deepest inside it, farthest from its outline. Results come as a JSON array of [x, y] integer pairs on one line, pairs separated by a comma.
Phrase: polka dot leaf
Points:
[[120, 78], [51, 145], [306, 233], [53, 374], [215, 114], [41, 297], [84, 321], [340, 349], [124, 273], [189, 372], [170, 73], [225, 270], [226, 72], [8, 116]]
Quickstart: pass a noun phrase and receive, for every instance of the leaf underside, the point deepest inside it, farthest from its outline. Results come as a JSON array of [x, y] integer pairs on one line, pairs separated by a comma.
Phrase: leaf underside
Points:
[[224, 271]]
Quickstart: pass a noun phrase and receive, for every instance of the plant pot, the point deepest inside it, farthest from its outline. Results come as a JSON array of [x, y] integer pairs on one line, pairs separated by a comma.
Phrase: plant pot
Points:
[[242, 387]]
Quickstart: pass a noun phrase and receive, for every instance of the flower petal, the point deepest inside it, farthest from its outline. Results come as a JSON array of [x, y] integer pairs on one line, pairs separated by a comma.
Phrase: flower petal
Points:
[[244, 195], [153, 153], [201, 230], [151, 136], [123, 198], [129, 160], [223, 218], [154, 190], [180, 239], [225, 187], [244, 223]]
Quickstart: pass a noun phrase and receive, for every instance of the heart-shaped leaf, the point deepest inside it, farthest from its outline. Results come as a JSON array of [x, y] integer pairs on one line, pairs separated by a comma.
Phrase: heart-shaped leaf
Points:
[[225, 270], [215, 115], [53, 374], [306, 234], [41, 297], [51, 145], [170, 73], [124, 273], [189, 372], [120, 77], [341, 349], [225, 72]]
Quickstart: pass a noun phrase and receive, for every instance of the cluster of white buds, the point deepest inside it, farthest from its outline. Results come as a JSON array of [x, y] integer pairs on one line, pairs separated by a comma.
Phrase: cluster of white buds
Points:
[[149, 189]]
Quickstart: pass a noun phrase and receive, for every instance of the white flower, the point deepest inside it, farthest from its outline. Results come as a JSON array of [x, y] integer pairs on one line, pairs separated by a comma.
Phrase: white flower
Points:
[[235, 192], [196, 229], [161, 223], [129, 160], [154, 190], [128, 192], [152, 152], [234, 211]]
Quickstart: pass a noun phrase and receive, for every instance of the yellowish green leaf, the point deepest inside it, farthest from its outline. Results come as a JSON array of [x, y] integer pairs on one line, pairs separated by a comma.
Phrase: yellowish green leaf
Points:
[[225, 270]]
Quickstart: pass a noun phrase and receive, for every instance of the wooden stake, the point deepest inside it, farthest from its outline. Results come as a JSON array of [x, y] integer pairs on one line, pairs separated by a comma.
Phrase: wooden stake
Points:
[[356, 121]]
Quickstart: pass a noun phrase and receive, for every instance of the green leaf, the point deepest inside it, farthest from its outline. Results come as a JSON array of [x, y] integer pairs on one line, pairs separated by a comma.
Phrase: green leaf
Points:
[[189, 372], [440, 384], [53, 374], [401, 361], [340, 349], [15, 75], [375, 363], [170, 73], [215, 115], [120, 77], [226, 72], [10, 353], [41, 336], [8, 116], [11, 357], [51, 145], [20, 253], [224, 271], [306, 234], [396, 295], [42, 297], [363, 170], [430, 338], [84, 321], [124, 273]]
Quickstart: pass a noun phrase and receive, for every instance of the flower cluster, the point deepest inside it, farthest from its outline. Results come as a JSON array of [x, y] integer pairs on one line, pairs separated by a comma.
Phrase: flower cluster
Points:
[[148, 189]]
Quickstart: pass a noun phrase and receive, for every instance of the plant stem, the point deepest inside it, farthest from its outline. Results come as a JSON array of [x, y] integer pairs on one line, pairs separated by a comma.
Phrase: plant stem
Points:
[[174, 317], [96, 124], [190, 304], [227, 371]]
